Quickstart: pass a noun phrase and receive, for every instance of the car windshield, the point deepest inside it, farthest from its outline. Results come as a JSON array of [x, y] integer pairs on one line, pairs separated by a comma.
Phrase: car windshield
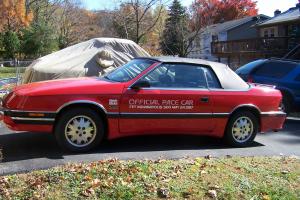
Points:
[[245, 69], [129, 71]]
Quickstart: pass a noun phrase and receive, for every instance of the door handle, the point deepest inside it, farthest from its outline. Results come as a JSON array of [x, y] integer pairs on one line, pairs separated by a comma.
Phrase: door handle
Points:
[[204, 99]]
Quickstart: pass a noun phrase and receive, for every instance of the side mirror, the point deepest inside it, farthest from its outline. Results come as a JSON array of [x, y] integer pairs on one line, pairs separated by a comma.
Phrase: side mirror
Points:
[[140, 84]]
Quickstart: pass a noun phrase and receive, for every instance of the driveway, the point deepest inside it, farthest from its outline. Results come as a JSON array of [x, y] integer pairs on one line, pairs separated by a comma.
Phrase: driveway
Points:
[[31, 151]]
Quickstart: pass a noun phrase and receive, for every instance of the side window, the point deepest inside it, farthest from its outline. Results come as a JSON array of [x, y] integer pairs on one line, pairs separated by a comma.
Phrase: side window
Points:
[[212, 80], [274, 69], [178, 76]]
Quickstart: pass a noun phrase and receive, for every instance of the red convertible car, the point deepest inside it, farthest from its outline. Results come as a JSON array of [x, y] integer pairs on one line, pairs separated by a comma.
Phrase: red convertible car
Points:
[[164, 95]]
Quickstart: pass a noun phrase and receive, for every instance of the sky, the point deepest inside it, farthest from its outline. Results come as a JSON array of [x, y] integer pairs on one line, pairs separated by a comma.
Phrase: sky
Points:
[[266, 7]]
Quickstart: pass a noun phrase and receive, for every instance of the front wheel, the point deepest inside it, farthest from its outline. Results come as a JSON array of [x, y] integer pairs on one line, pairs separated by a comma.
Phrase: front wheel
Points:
[[79, 130], [241, 129]]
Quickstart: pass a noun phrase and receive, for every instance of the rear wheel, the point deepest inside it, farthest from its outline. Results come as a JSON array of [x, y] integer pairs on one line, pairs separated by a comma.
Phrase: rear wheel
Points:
[[241, 129], [79, 130]]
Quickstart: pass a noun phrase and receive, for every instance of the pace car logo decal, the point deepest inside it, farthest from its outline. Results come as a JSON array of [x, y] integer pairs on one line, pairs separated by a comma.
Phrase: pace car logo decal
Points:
[[113, 103], [161, 104]]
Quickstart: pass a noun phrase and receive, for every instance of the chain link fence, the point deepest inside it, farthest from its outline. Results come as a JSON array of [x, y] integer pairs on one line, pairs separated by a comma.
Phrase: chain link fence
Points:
[[13, 68]]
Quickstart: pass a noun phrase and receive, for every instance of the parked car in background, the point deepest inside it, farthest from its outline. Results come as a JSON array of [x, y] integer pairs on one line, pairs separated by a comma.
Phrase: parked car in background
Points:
[[165, 95], [7, 84], [6, 81], [283, 73]]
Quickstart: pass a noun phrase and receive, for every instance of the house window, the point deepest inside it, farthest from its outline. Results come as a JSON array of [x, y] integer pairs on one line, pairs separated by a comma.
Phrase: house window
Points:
[[269, 32], [294, 30], [272, 32], [266, 33], [214, 38]]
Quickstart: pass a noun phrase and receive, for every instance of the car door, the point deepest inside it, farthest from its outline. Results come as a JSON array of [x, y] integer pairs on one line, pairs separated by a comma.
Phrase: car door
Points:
[[175, 101]]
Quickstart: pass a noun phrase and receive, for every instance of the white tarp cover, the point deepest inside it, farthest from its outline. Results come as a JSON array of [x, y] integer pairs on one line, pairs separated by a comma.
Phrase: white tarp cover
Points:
[[81, 59]]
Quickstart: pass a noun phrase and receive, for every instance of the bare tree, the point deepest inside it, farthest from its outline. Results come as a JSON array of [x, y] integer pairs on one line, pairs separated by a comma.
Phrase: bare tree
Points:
[[75, 24], [43, 9], [136, 19]]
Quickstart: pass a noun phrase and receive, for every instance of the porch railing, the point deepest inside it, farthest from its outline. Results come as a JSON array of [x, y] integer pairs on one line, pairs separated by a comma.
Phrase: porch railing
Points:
[[274, 45]]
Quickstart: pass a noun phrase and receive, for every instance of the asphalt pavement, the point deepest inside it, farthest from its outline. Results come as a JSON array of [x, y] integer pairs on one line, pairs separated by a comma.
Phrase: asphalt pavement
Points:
[[26, 151]]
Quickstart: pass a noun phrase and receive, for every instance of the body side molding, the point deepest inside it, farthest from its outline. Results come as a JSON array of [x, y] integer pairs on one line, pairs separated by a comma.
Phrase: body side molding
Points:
[[245, 106], [81, 102]]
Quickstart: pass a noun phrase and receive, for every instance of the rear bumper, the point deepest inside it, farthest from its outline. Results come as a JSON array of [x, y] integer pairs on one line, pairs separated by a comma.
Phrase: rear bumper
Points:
[[272, 120]]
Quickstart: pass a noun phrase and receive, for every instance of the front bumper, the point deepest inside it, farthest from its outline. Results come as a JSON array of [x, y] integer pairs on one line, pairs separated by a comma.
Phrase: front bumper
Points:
[[35, 121], [2, 110]]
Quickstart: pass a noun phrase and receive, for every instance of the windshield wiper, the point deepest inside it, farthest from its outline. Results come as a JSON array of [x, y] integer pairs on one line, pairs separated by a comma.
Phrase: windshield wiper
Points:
[[106, 77]]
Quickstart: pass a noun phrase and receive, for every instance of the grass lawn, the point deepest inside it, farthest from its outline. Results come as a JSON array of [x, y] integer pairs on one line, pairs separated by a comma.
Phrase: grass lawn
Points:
[[7, 75], [6, 72], [201, 178]]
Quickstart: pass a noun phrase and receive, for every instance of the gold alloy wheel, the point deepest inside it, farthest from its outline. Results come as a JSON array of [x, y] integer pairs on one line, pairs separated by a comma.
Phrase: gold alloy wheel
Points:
[[242, 129], [80, 131]]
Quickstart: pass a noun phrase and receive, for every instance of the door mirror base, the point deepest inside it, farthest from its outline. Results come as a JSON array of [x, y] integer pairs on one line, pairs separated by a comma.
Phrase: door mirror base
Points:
[[140, 84]]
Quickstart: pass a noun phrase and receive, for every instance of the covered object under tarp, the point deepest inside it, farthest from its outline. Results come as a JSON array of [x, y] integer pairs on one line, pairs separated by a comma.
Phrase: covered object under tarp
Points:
[[82, 59]]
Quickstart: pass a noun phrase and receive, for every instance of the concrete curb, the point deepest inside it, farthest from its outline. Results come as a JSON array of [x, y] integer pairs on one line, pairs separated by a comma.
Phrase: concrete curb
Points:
[[293, 118]]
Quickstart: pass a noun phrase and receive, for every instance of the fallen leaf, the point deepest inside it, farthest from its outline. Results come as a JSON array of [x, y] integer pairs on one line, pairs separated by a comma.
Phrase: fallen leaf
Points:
[[37, 182], [4, 192], [266, 197], [87, 178], [96, 182], [158, 161], [150, 187], [186, 195], [212, 194], [128, 179], [4, 180], [203, 172], [214, 187], [163, 193], [124, 183], [203, 166], [88, 192]]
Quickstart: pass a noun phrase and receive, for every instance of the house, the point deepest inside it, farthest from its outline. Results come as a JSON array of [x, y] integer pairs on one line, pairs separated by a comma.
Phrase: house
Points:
[[239, 29], [286, 24], [275, 37]]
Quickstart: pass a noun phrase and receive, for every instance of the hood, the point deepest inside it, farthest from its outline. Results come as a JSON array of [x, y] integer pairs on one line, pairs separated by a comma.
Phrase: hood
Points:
[[85, 85]]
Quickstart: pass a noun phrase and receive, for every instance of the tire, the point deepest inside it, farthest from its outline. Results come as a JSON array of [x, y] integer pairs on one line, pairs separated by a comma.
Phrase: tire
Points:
[[286, 104], [79, 130], [241, 140]]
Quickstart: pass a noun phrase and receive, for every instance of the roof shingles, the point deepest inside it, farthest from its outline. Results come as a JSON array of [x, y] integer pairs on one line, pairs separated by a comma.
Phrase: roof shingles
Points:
[[290, 15]]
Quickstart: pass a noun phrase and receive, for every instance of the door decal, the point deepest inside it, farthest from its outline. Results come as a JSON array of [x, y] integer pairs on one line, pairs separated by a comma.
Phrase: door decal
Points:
[[161, 104]]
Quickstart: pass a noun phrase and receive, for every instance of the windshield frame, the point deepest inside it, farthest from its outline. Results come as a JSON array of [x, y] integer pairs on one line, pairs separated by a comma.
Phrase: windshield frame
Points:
[[149, 61]]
